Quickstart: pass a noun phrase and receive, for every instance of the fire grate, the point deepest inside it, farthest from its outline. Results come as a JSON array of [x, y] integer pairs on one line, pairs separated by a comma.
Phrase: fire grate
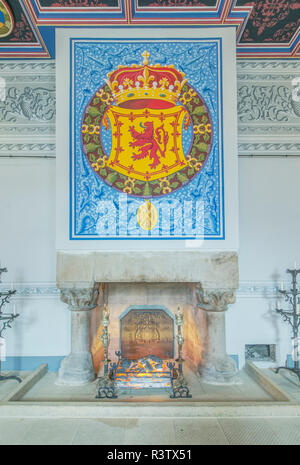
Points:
[[147, 372]]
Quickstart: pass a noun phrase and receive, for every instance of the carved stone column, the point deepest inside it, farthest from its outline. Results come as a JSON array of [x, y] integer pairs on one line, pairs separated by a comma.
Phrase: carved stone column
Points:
[[217, 366], [77, 368]]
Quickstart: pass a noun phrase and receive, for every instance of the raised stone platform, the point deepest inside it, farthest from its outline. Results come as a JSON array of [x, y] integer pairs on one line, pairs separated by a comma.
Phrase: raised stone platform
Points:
[[45, 390], [248, 399]]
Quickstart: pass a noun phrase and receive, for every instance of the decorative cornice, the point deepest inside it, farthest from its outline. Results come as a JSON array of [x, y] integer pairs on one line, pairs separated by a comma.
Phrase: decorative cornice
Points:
[[259, 289], [28, 67], [266, 77], [265, 129], [22, 130], [265, 107], [267, 65], [32, 290], [269, 148], [27, 148], [242, 65], [28, 78]]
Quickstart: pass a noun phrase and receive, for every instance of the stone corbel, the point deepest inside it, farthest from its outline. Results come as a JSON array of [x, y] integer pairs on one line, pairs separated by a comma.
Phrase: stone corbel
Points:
[[214, 300], [79, 299]]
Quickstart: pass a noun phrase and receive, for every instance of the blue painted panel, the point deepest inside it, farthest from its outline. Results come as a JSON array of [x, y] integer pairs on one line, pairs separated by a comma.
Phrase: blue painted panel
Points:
[[31, 363], [100, 211], [236, 359]]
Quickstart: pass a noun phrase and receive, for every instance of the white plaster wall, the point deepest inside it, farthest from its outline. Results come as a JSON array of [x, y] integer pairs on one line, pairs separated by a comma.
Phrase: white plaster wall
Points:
[[27, 233], [27, 249], [269, 242], [43, 328], [269, 193], [252, 320]]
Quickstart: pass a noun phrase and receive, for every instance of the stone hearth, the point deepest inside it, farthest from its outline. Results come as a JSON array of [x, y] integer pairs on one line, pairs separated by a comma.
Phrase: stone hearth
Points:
[[202, 283]]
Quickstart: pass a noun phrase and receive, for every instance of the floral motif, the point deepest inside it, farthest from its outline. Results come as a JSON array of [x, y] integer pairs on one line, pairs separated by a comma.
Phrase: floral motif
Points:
[[268, 13], [268, 103], [22, 31], [271, 20], [284, 34]]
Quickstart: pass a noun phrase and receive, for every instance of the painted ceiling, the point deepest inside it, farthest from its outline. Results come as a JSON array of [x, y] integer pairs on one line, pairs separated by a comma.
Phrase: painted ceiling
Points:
[[264, 29]]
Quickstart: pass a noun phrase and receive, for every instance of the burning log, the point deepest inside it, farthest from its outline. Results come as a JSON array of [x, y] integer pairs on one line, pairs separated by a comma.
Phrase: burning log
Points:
[[147, 372]]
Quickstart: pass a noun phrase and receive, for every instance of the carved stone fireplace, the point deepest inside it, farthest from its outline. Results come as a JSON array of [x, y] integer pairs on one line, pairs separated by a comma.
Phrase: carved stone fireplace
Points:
[[178, 247], [142, 291]]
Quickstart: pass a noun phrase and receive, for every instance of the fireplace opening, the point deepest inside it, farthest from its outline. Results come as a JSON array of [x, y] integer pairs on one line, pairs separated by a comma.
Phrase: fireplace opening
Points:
[[147, 331], [146, 354]]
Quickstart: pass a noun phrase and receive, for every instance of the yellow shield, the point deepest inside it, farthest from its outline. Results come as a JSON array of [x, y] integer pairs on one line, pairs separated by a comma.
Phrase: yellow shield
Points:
[[146, 143]]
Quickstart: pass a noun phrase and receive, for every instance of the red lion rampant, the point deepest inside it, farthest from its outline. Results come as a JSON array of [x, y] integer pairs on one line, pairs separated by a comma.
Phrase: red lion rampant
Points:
[[148, 142]]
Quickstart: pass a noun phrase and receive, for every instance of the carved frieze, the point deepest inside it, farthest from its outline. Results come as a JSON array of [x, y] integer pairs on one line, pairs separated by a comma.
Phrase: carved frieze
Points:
[[27, 103], [268, 103], [267, 107], [268, 110], [247, 289]]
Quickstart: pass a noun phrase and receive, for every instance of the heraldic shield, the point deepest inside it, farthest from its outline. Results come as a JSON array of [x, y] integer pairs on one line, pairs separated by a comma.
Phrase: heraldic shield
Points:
[[147, 143], [147, 109]]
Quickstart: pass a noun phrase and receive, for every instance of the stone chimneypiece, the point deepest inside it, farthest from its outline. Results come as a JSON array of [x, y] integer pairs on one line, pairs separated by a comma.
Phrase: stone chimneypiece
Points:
[[202, 283]]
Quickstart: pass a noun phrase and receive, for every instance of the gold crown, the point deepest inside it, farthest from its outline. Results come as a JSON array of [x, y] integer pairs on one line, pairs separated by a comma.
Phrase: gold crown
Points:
[[153, 82]]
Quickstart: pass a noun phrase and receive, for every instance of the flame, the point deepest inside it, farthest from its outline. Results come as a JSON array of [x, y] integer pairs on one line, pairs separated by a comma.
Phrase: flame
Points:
[[154, 372]]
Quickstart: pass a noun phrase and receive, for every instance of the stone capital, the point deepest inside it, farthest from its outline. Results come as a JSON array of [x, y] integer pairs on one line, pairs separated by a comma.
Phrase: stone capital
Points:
[[214, 300], [78, 299]]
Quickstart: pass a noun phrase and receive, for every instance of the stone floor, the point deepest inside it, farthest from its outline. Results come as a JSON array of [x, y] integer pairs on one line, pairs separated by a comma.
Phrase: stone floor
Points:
[[216, 429], [7, 386], [210, 431], [246, 390]]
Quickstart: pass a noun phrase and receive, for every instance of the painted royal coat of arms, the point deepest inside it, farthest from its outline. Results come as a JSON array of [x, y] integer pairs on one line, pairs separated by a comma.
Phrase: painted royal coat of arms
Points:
[[146, 139], [147, 109]]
